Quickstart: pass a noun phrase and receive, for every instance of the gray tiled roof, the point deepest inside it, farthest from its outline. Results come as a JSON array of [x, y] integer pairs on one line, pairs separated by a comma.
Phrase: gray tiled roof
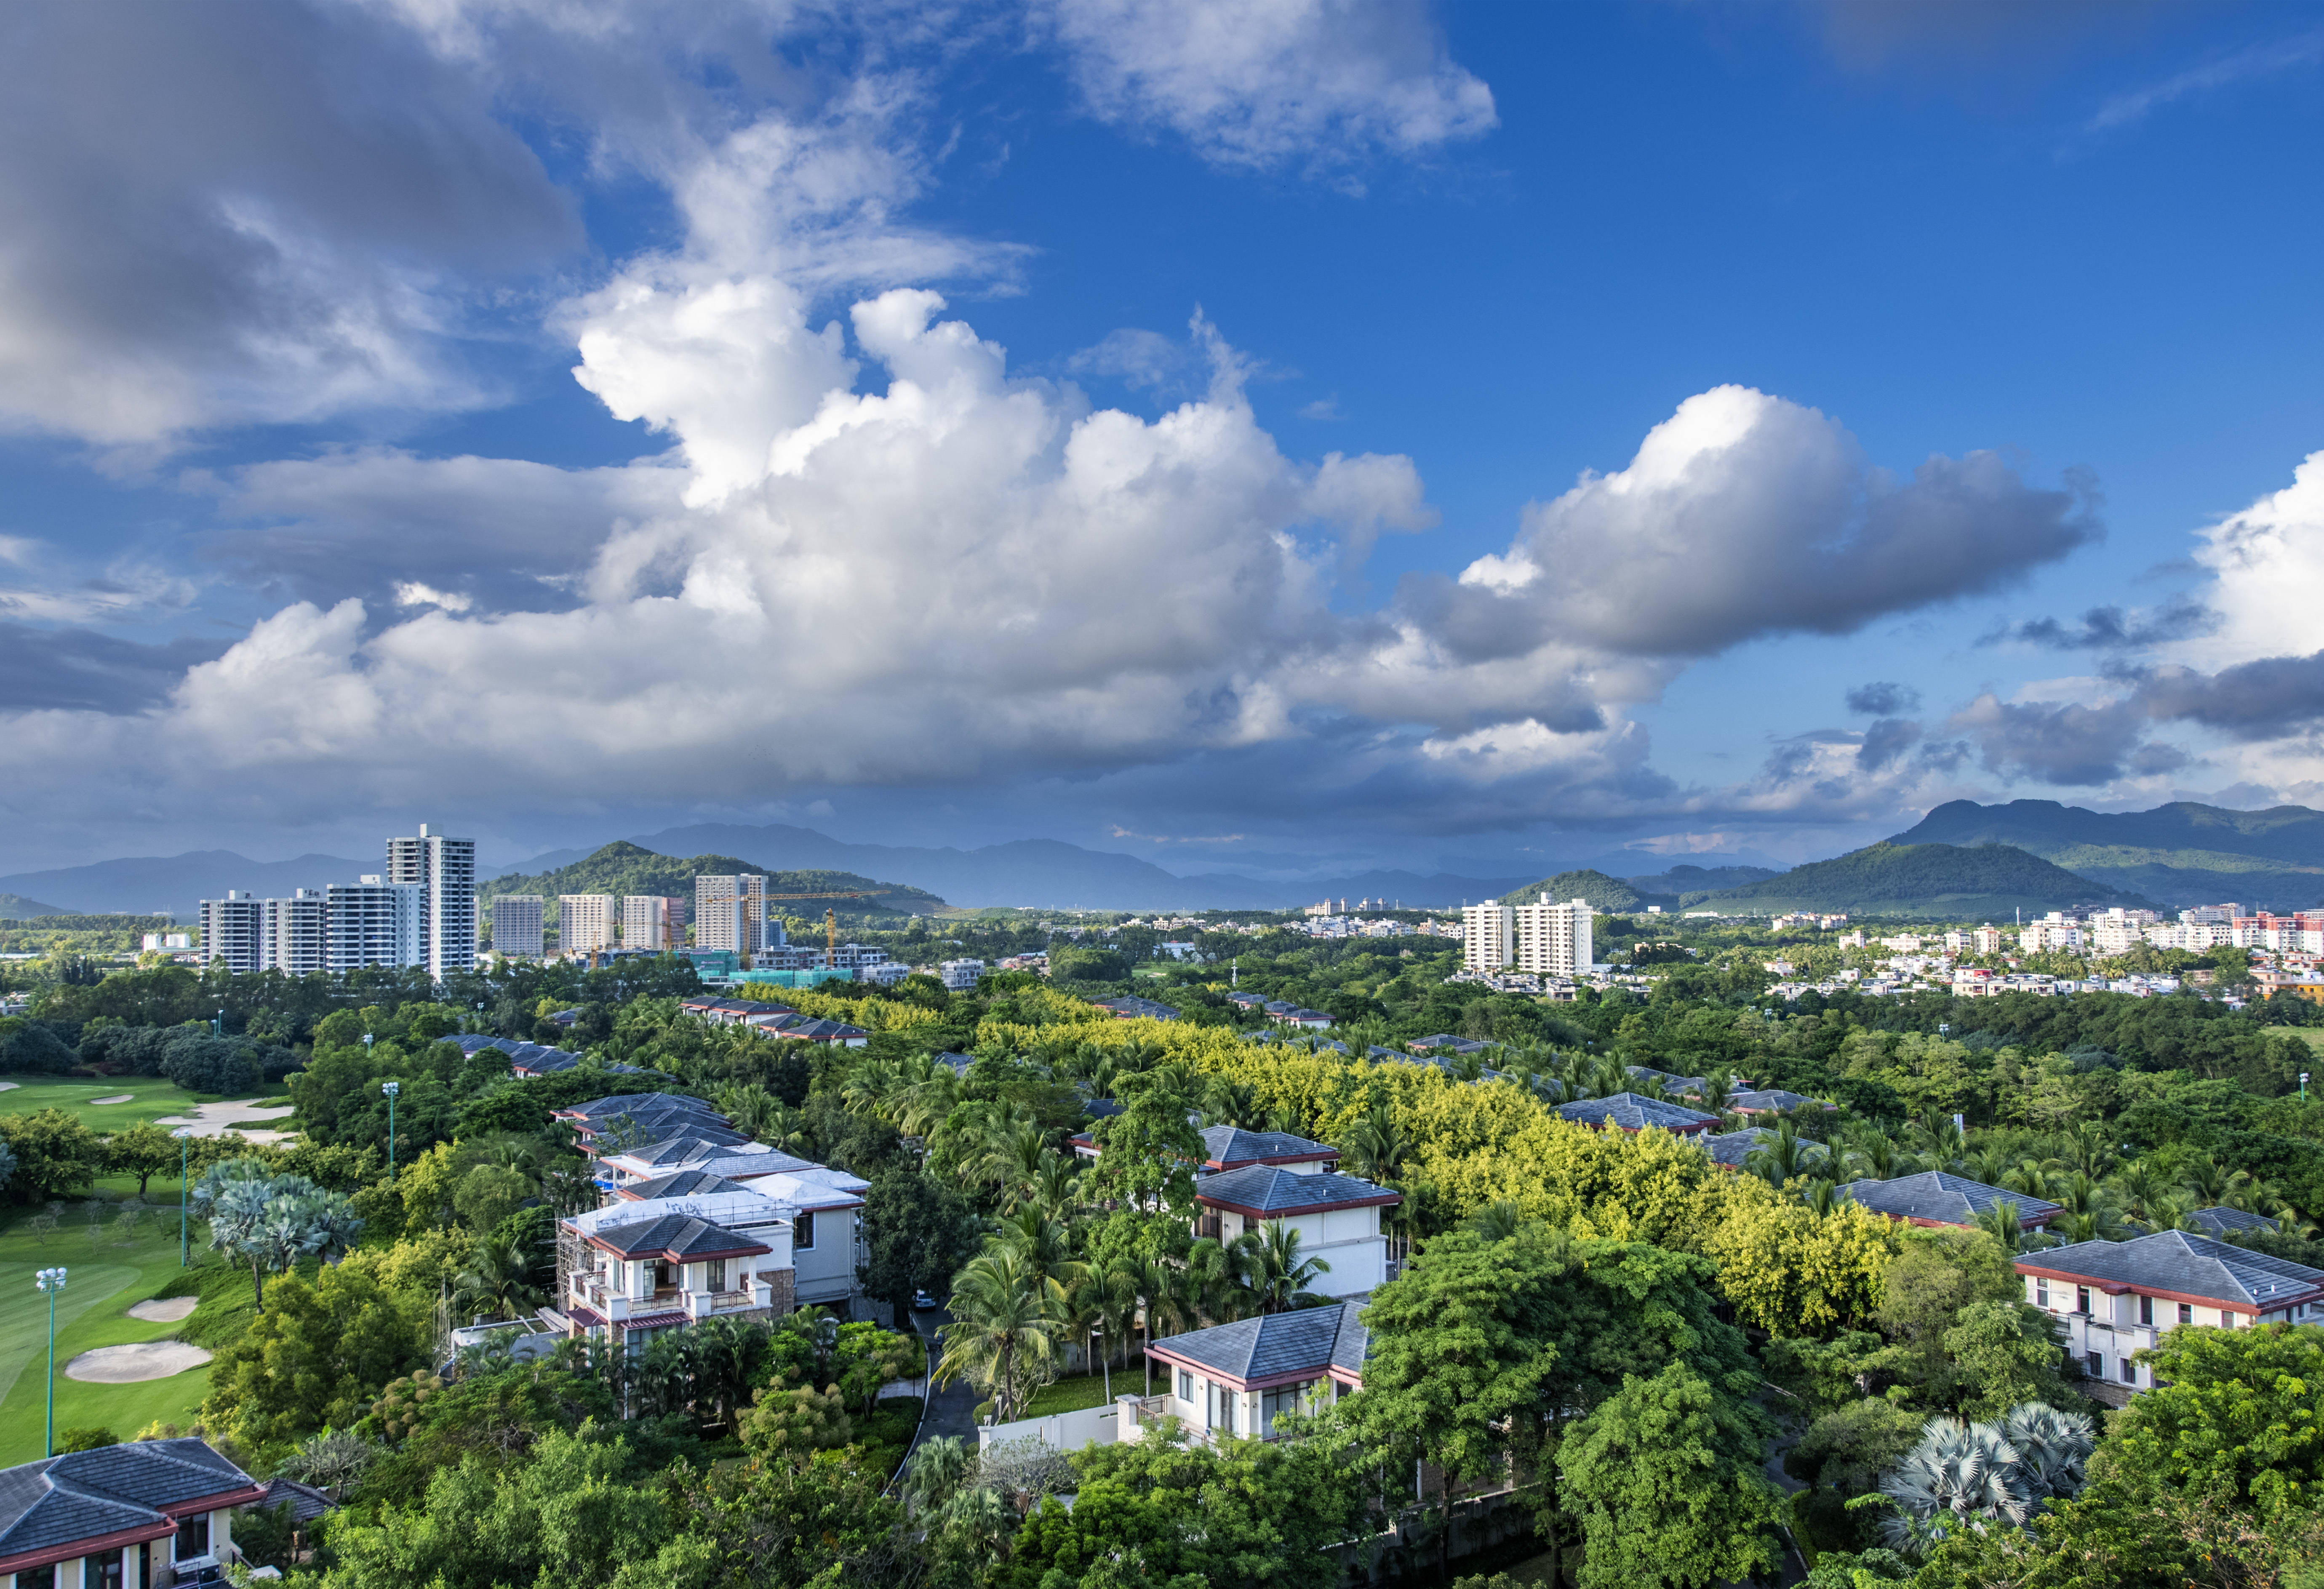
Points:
[[686, 1184], [1732, 1148], [1228, 1146], [2217, 1222], [1272, 1190], [1631, 1112], [1275, 1345], [81, 1495], [307, 1502], [638, 1105], [678, 1236], [1149, 1009], [1946, 1200], [1671, 1082], [696, 1141], [1772, 1098], [2178, 1260], [1459, 1046]]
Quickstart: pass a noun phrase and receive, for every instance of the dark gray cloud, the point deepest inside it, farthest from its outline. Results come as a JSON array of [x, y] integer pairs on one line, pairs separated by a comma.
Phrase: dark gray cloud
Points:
[[2053, 741], [79, 669], [2268, 699], [1886, 740], [1882, 698], [2110, 628], [245, 212]]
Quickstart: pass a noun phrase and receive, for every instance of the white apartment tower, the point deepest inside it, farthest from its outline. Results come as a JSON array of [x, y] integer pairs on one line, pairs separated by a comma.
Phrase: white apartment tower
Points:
[[445, 870], [731, 913], [1546, 939], [294, 934], [584, 922], [372, 922], [234, 930], [518, 923], [652, 922]]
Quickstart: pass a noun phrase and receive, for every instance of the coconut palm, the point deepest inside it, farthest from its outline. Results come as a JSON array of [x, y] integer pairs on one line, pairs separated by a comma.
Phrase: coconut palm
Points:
[[1785, 1156], [1165, 1302], [2143, 1185], [1280, 1278], [2091, 1151], [1103, 1303], [1004, 1328], [936, 1468], [2036, 1178], [1717, 1091], [1045, 1245], [1215, 1274], [497, 1281], [1821, 1196], [2211, 1181], [1874, 1155], [1055, 1190], [1375, 1146], [1999, 1221], [1496, 1221]]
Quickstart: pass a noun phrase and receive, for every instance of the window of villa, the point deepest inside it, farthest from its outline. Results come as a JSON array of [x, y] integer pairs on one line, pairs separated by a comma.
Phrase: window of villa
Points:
[[1281, 1400], [37, 1577], [2095, 1364], [1185, 1386], [2129, 1374], [2146, 1310], [714, 1274], [2186, 1313], [2081, 1299], [803, 1233], [2040, 1293], [101, 1572], [193, 1536]]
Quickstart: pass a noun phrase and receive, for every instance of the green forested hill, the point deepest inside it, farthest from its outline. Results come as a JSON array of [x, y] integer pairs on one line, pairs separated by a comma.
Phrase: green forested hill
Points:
[[1603, 893], [622, 868], [1935, 880], [2183, 853]]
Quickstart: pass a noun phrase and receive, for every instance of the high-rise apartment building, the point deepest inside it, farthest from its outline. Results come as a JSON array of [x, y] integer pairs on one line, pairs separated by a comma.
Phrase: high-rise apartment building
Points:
[[731, 913], [234, 930], [584, 922], [518, 923], [1553, 940], [654, 922], [372, 922], [445, 870], [294, 934]]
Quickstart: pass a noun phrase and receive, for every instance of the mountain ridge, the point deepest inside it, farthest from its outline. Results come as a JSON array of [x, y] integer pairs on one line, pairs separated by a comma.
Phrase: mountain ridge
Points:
[[2181, 853], [1950, 880]]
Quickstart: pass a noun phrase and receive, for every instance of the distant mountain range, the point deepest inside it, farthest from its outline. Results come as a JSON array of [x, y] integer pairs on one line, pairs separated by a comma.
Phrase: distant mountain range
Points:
[[16, 907], [2174, 856], [2180, 854]]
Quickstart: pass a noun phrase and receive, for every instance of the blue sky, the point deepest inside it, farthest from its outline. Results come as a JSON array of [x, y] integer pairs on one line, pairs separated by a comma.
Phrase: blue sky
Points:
[[520, 415]]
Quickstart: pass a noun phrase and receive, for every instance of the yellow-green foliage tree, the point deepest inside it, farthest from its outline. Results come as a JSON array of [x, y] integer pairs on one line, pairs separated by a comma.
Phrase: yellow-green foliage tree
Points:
[[873, 1015], [1786, 1268]]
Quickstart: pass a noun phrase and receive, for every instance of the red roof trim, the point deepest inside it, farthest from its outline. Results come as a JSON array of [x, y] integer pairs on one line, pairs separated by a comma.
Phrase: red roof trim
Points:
[[120, 1538]]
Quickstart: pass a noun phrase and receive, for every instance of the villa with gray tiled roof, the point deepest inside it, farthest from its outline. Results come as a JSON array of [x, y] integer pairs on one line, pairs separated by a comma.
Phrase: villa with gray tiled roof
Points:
[[1338, 1218], [1934, 1198], [141, 1512], [2117, 1298], [1237, 1379]]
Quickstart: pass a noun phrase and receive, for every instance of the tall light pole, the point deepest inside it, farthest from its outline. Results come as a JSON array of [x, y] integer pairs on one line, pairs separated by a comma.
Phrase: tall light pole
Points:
[[51, 1282], [185, 1190], [391, 1088]]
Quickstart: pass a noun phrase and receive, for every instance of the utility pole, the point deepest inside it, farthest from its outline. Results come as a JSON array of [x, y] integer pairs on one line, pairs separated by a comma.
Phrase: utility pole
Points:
[[391, 1088], [51, 1282]]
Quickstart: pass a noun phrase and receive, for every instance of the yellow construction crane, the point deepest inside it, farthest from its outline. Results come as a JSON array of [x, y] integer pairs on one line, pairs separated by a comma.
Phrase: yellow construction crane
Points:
[[830, 917]]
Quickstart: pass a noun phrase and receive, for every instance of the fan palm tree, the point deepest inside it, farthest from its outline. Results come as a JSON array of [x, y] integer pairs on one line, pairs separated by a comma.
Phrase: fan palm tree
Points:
[[1959, 1475], [497, 1281], [1280, 1277], [2053, 1448], [1004, 1328]]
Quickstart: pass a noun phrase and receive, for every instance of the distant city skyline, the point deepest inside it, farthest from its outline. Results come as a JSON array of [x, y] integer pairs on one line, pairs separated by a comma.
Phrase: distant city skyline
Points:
[[1266, 439]]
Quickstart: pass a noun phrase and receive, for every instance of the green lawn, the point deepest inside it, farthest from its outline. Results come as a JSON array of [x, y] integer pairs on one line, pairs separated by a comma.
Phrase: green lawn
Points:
[[1085, 1389], [105, 1276], [150, 1099]]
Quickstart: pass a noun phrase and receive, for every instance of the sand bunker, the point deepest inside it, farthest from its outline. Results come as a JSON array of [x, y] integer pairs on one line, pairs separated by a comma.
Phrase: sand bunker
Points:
[[126, 1366], [165, 1310], [10, 1086], [118, 1098], [218, 1119]]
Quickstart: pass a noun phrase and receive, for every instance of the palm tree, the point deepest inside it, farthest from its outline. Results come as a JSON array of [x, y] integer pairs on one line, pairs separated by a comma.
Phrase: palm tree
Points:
[[497, 1281], [1999, 1221], [2144, 1186], [2036, 1178], [1498, 1221], [1376, 1146], [1959, 1475], [1279, 1277], [1055, 1191], [936, 1468], [1988, 1164], [1873, 1156], [2053, 1448], [1785, 1156], [1103, 1304], [1822, 1196], [1043, 1244], [2211, 1181], [1718, 1091], [1215, 1275], [1167, 1304], [1003, 1332], [2091, 1151], [727, 1353]]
